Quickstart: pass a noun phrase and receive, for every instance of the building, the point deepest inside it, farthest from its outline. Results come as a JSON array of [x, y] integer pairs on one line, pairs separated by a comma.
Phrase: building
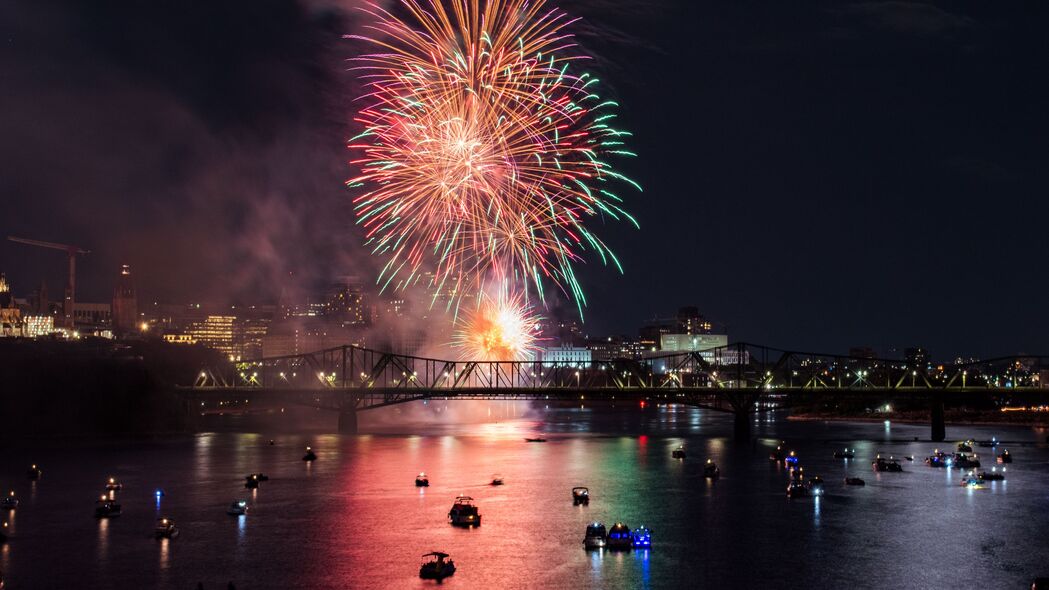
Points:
[[691, 342], [345, 303], [615, 347], [10, 315], [214, 331], [36, 326], [125, 305], [93, 317], [301, 337], [917, 358], [573, 356]]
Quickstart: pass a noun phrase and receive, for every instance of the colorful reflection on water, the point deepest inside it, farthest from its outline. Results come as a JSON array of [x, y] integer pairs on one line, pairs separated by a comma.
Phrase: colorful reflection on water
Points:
[[355, 519]]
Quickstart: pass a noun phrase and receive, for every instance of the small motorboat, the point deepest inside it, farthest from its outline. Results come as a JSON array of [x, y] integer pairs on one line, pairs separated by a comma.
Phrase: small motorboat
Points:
[[844, 454], [310, 455], [710, 470], [421, 481], [464, 512], [112, 485], [497, 480], [535, 439], [106, 508], [237, 508], [855, 481], [272, 442], [580, 495], [678, 453], [1005, 457], [641, 538], [797, 489], [3, 539], [619, 536], [882, 465], [258, 476], [790, 459], [815, 486], [438, 568], [939, 459], [991, 476], [252, 481], [34, 472], [158, 494], [596, 536], [971, 481], [966, 446], [963, 461], [777, 455], [165, 529], [10, 502], [989, 443]]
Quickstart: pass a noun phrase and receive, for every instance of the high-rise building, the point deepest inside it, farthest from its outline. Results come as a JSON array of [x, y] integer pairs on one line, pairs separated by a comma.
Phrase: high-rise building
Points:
[[125, 304], [345, 303], [214, 331]]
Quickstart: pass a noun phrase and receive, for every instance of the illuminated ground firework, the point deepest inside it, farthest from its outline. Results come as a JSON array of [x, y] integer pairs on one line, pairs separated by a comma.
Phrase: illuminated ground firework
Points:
[[481, 148], [501, 328]]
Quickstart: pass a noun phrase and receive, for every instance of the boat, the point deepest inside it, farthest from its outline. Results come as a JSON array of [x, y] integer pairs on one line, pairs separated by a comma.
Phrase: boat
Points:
[[815, 486], [34, 472], [966, 446], [106, 508], [580, 495], [710, 470], [678, 453], [596, 536], [113, 485], [535, 439], [971, 481], [10, 502], [310, 455], [845, 454], [1005, 457], [165, 529], [3, 538], [641, 538], [421, 481], [252, 481], [790, 459], [891, 465], [963, 461], [991, 476], [619, 536], [989, 443], [258, 476], [158, 494], [777, 455], [272, 442], [237, 508], [438, 568], [464, 512], [497, 480], [797, 489], [939, 459], [855, 481]]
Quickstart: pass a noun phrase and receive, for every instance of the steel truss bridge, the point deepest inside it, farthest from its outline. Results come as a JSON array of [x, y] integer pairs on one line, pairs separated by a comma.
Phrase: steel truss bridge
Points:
[[740, 378]]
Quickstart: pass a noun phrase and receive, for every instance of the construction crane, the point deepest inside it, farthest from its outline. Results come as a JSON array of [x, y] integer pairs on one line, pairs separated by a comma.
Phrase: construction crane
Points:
[[68, 306]]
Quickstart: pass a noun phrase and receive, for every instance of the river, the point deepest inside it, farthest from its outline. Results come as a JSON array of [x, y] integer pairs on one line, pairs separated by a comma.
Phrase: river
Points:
[[354, 518]]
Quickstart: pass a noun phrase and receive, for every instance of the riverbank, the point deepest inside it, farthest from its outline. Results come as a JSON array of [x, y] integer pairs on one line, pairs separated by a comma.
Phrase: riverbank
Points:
[[951, 418]]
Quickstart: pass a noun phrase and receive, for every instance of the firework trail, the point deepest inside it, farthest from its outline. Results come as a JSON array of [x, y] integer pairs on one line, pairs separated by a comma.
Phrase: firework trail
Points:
[[503, 327], [483, 155]]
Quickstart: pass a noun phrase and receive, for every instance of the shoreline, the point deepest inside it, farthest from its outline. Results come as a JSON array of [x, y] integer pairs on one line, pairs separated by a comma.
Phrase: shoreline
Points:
[[917, 421]]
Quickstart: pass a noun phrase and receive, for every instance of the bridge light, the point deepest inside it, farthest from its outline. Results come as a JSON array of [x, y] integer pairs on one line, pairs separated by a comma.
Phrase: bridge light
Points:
[[203, 375]]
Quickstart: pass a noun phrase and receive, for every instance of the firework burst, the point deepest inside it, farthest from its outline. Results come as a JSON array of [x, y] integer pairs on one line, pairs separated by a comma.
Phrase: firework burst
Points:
[[483, 156], [502, 328]]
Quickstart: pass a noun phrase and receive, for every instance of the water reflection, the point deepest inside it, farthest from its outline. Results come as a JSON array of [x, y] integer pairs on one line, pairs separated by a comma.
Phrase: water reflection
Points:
[[103, 539]]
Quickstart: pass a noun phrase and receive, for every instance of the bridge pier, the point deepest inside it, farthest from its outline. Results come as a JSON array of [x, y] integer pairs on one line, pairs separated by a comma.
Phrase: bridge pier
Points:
[[939, 429], [348, 421]]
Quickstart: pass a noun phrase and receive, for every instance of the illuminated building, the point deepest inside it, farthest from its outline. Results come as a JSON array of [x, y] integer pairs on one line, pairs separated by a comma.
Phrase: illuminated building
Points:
[[179, 339], [10, 315], [573, 356], [345, 304], [125, 304], [35, 326], [92, 318], [214, 331]]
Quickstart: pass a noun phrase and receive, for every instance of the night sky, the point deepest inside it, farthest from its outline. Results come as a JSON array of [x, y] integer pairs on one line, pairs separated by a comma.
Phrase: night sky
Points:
[[817, 175]]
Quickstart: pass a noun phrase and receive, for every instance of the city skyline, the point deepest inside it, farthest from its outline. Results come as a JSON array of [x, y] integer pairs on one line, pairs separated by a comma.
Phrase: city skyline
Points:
[[781, 194]]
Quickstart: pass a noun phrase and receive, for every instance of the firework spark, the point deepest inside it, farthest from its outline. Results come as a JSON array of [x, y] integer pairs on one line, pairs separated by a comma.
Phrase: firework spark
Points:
[[501, 328], [483, 155]]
